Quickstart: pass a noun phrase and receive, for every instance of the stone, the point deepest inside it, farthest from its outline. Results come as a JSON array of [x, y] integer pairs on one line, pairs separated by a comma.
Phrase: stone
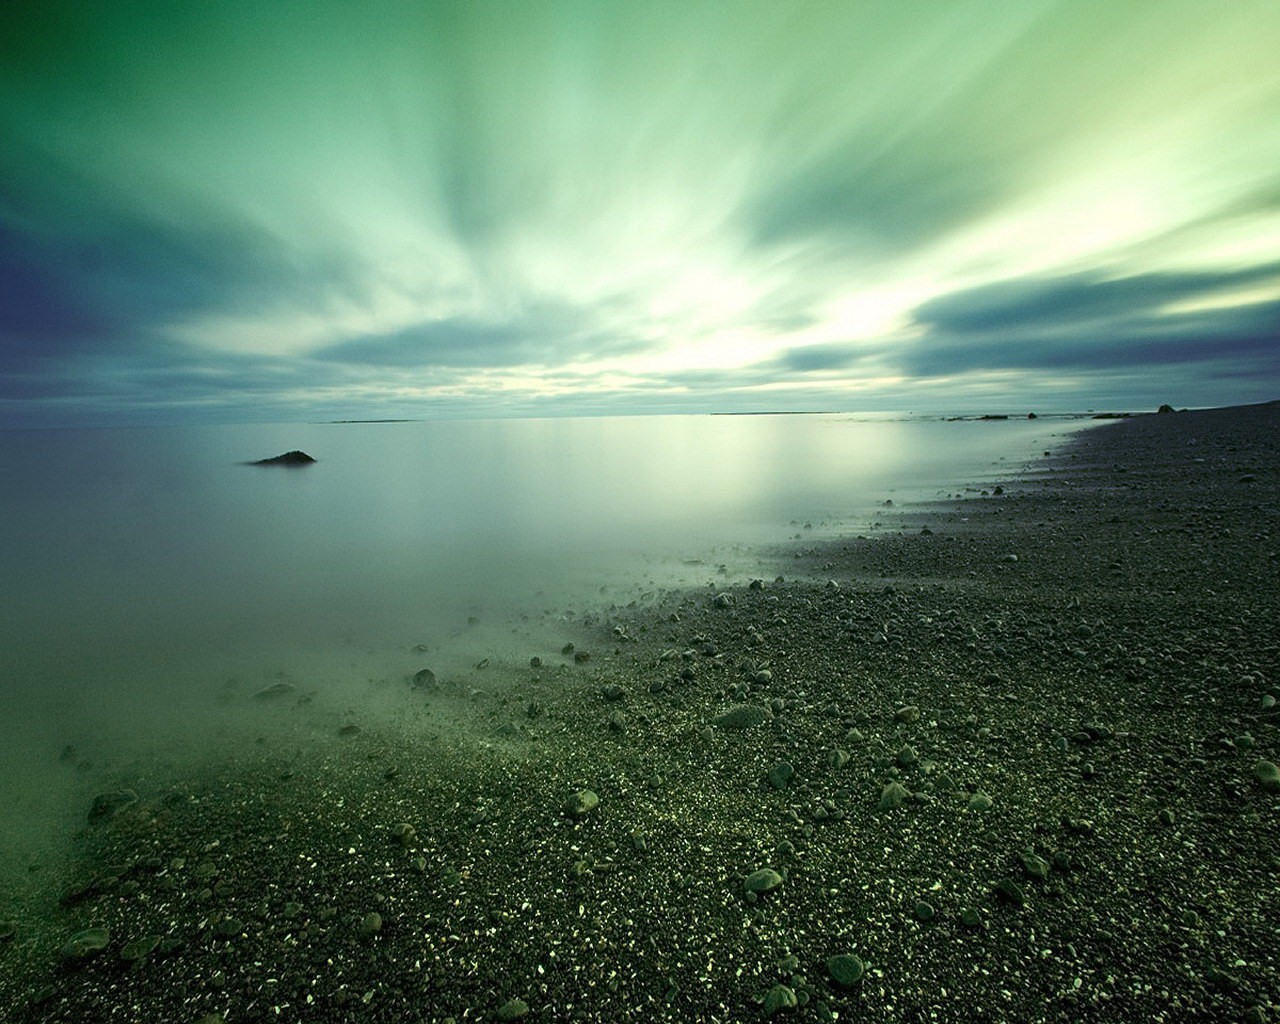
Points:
[[86, 944], [971, 917], [140, 949], [907, 756], [8, 929], [925, 911], [742, 716], [780, 998], [425, 679], [275, 691], [762, 881], [1166, 408], [513, 1009], [893, 796], [370, 924], [613, 692], [1268, 775], [108, 805], [722, 601], [780, 774], [838, 758], [979, 801], [1036, 867], [581, 803], [846, 969], [293, 458], [1009, 891], [403, 834], [908, 714]]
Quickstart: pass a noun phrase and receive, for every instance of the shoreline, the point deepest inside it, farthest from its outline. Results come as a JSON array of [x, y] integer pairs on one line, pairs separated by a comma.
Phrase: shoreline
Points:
[[1078, 831]]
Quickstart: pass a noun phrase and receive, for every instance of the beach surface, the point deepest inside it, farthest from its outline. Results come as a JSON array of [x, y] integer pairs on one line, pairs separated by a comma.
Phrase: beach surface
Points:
[[1009, 757]]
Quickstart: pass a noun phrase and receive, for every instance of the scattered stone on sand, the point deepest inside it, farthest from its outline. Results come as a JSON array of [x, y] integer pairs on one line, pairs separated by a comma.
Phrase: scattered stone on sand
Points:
[[722, 601], [925, 911], [742, 716], [613, 692], [779, 998], [370, 924], [513, 1009], [907, 756], [1009, 891], [8, 929], [350, 729], [846, 969], [780, 774], [1035, 866], [762, 881], [581, 803], [1268, 775], [403, 833], [908, 714], [980, 801], [894, 795]]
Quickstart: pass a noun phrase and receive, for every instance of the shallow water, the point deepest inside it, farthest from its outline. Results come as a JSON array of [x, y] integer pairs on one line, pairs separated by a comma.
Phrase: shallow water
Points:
[[145, 571]]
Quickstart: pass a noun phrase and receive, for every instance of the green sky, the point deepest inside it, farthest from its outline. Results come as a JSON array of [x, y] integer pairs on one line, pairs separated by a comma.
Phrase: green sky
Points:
[[299, 209]]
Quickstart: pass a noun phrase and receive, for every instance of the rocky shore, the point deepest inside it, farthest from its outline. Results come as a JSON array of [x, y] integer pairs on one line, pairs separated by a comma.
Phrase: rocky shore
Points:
[[1009, 758]]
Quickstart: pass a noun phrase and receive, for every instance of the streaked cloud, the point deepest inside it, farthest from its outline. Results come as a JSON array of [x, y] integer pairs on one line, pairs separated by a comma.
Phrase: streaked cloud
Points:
[[235, 210]]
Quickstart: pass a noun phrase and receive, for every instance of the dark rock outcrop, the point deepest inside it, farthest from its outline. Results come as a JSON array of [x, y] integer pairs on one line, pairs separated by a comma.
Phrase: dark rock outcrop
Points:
[[294, 458]]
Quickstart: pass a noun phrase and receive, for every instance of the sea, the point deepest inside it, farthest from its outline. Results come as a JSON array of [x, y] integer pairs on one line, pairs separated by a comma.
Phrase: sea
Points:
[[151, 578]]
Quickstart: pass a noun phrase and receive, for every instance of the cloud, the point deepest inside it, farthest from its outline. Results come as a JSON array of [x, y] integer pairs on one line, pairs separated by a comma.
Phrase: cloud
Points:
[[1088, 321]]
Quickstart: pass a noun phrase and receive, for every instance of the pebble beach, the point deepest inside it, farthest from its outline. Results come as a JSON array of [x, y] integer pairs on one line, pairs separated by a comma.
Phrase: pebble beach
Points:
[[1009, 756]]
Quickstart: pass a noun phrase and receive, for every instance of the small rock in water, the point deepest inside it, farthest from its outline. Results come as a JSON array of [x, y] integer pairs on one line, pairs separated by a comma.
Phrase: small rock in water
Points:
[[723, 601], [424, 679], [293, 458], [349, 730], [764, 880], [846, 969], [370, 924], [85, 944], [403, 833], [780, 998], [275, 691], [140, 949], [1268, 775], [8, 930], [108, 805], [925, 911], [907, 714], [907, 756], [613, 692], [838, 758], [581, 803]]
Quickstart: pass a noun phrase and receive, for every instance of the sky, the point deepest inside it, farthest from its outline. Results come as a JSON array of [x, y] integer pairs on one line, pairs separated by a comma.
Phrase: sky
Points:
[[305, 210]]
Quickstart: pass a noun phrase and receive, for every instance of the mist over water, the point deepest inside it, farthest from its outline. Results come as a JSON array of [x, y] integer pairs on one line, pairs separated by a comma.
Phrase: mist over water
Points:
[[150, 579]]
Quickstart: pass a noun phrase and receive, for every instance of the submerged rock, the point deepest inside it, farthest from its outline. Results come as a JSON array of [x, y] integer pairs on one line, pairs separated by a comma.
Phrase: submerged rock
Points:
[[85, 944], [108, 805], [275, 691], [293, 458]]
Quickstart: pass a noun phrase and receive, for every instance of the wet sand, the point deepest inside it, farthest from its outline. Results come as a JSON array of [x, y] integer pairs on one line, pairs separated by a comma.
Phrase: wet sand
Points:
[[1009, 752]]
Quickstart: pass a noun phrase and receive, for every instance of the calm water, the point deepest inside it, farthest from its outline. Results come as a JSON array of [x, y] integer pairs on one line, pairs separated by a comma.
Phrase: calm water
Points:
[[143, 568]]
